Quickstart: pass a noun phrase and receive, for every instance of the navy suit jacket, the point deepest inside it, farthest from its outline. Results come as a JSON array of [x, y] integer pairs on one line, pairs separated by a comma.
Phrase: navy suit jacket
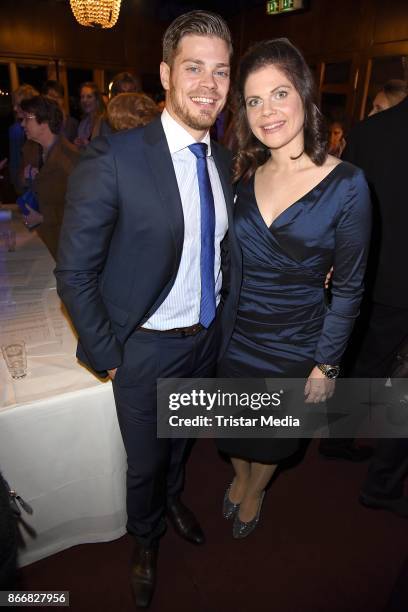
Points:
[[122, 238]]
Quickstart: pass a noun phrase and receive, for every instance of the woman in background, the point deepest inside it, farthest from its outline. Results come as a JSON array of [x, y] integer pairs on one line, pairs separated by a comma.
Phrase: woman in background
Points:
[[42, 123], [22, 152], [93, 109], [298, 212], [337, 141]]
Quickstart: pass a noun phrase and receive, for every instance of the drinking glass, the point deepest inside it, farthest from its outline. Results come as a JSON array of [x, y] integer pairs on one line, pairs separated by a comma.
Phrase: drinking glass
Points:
[[16, 359], [10, 240]]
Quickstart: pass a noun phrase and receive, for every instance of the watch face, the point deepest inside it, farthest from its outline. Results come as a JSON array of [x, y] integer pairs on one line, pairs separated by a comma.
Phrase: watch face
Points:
[[329, 371], [332, 373]]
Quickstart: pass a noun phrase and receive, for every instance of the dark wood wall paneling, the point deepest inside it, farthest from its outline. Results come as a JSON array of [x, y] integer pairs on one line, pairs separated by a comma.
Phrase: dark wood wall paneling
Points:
[[391, 22], [330, 26], [332, 30], [46, 29]]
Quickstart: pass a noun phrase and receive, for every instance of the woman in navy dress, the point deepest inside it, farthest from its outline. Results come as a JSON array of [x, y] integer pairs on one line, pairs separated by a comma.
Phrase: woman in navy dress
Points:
[[298, 212]]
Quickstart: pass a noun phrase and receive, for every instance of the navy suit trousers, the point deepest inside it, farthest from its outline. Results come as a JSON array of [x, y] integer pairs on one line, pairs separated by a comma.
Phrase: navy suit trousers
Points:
[[155, 472]]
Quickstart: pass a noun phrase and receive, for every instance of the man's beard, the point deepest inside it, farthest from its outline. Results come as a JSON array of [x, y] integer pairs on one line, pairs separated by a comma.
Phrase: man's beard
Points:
[[203, 121]]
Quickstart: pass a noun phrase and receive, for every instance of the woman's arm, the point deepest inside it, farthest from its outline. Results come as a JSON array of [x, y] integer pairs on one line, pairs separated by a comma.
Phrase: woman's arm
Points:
[[353, 230], [352, 238]]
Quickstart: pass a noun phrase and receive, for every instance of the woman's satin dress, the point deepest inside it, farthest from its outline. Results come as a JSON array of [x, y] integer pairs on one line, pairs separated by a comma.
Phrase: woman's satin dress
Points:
[[284, 323]]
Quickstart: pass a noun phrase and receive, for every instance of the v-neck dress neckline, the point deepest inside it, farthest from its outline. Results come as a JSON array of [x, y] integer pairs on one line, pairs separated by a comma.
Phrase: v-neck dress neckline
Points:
[[300, 200]]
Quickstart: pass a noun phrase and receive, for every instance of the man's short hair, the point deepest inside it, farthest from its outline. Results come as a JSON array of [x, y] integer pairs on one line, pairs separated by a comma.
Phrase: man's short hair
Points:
[[45, 110], [395, 90], [197, 23], [124, 78], [53, 85]]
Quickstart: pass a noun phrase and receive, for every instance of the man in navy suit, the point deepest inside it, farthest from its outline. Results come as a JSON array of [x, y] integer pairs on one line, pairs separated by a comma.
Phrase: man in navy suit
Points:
[[141, 269]]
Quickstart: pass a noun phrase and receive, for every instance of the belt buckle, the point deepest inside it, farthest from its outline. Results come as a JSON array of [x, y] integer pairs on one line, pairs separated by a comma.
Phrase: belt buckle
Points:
[[191, 331]]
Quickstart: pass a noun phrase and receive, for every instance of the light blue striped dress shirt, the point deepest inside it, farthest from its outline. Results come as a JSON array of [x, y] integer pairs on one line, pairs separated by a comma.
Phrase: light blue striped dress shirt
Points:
[[181, 308]]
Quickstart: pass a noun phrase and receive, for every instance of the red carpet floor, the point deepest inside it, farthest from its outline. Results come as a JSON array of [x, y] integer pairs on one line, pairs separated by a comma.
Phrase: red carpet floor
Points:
[[315, 550]]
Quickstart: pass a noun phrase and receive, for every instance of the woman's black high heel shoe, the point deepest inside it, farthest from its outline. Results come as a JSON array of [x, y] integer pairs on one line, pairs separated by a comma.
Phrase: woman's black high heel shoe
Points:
[[240, 529], [228, 507]]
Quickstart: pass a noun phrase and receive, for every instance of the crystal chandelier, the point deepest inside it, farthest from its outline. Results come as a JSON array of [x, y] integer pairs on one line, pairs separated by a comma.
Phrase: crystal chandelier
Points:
[[96, 13]]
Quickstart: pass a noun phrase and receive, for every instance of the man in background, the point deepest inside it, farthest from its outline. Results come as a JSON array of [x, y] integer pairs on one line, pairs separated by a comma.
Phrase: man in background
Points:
[[378, 146], [55, 91], [392, 93], [124, 82]]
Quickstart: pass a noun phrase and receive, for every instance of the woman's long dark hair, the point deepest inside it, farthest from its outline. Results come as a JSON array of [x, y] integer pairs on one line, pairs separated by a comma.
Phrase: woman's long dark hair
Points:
[[286, 57]]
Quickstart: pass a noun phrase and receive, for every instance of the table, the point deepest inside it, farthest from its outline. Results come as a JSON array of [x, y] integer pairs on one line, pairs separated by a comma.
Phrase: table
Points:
[[60, 444]]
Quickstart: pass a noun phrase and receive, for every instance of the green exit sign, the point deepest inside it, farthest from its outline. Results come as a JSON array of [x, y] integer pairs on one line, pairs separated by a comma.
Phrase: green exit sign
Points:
[[277, 7]]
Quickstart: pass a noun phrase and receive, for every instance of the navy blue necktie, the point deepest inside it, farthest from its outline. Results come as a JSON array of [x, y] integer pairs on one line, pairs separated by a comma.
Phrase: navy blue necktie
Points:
[[207, 304]]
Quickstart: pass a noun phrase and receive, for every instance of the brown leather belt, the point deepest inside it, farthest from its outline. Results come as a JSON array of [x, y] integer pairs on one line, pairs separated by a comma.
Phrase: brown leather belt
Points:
[[177, 331]]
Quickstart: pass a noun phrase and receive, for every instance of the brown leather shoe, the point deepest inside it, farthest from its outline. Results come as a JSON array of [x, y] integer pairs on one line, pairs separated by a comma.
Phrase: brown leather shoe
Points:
[[143, 574], [185, 523]]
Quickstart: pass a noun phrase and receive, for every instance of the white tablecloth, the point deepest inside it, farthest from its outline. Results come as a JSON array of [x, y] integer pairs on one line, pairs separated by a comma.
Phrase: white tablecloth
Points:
[[60, 445]]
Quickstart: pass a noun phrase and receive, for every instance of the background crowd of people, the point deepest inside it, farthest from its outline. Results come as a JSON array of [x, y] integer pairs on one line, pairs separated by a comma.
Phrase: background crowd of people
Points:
[[45, 141], [125, 107]]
